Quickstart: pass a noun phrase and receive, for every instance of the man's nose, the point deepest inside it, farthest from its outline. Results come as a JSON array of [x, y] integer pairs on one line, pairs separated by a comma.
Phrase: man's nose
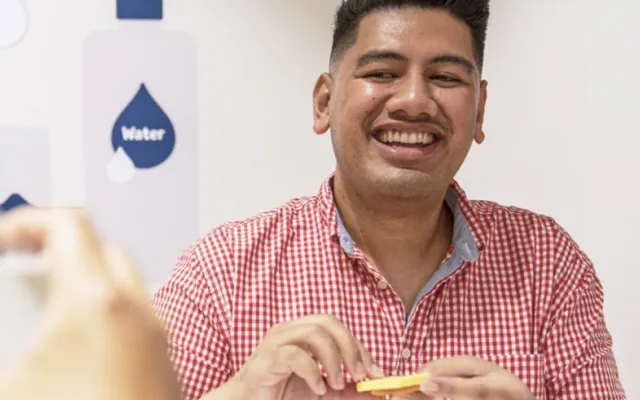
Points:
[[413, 100]]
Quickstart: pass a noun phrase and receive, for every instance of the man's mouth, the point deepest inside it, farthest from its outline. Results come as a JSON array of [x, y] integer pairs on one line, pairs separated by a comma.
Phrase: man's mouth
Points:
[[406, 139]]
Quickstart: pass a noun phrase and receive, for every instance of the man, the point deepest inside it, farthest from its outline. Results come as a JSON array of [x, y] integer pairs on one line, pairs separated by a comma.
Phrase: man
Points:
[[390, 269]]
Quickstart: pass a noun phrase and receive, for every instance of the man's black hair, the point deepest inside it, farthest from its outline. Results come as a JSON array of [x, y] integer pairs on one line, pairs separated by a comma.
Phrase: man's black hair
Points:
[[474, 13]]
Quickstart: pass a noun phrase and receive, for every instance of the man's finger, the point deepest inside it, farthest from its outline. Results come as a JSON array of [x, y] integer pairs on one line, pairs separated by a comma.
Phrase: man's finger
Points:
[[372, 370], [316, 341], [458, 388], [415, 396], [294, 360], [357, 360], [352, 353], [461, 367]]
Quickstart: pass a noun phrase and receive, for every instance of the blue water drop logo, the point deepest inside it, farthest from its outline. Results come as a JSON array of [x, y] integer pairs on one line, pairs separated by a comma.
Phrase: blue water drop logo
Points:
[[139, 9], [12, 202], [144, 131]]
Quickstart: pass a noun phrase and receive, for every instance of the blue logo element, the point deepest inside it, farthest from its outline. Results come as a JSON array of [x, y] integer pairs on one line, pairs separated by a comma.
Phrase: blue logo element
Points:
[[139, 9], [144, 131], [14, 201]]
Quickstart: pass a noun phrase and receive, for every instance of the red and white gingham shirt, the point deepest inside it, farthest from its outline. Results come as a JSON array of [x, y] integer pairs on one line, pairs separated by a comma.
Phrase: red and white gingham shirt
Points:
[[515, 290]]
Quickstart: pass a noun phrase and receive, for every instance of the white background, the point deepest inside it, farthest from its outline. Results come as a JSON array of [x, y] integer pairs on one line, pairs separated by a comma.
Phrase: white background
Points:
[[562, 116]]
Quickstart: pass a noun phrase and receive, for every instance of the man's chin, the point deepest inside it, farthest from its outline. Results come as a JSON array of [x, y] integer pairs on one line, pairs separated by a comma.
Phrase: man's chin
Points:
[[404, 184]]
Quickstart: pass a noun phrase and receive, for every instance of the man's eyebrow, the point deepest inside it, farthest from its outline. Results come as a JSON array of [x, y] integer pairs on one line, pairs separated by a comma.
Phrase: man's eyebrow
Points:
[[453, 59], [389, 55], [379, 55]]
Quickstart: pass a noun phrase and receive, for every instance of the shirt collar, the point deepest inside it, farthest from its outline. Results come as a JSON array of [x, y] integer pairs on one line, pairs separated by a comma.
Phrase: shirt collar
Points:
[[468, 229]]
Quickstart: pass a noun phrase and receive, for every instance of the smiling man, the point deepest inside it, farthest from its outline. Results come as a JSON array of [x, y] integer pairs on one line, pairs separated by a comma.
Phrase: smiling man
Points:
[[390, 269]]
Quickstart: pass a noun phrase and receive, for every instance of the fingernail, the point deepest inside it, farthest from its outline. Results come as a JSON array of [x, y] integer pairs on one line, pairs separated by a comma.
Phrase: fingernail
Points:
[[339, 383], [322, 388], [376, 371], [360, 372], [429, 387]]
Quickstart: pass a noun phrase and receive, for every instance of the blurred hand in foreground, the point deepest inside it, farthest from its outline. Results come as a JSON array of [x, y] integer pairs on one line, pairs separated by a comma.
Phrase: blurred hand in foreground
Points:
[[99, 338]]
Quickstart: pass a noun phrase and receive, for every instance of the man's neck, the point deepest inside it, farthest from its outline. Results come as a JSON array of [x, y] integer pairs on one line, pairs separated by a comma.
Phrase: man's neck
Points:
[[405, 240]]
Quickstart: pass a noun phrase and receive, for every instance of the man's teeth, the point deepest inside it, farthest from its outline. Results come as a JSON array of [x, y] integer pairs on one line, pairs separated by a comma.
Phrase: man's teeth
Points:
[[424, 138]]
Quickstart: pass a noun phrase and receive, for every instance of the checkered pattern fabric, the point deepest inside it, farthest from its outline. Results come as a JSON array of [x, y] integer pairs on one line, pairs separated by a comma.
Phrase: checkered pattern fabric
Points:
[[531, 302]]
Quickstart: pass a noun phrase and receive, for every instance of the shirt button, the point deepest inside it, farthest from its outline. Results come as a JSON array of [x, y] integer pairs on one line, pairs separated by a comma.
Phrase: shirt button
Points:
[[382, 285], [406, 353]]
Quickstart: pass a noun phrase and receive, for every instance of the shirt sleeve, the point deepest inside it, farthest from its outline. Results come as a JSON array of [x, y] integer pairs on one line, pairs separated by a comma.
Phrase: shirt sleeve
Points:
[[193, 319], [578, 347]]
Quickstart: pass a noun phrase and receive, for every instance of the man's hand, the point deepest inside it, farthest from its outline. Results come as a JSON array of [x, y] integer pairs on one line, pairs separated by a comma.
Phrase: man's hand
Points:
[[469, 378], [285, 364], [99, 339]]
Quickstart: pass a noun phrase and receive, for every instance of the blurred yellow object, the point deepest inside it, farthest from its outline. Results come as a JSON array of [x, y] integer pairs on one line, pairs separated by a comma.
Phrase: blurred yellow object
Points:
[[395, 385]]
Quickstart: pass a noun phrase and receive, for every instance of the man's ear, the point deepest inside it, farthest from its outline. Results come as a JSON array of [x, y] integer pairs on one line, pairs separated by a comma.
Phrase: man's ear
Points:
[[479, 135], [321, 100]]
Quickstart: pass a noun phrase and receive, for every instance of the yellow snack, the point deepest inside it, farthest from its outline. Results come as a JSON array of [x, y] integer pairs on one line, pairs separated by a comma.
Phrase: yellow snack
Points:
[[394, 385]]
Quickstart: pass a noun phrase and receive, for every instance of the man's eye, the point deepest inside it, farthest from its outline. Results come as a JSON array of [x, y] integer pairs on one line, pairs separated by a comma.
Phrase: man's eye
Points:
[[382, 75], [445, 78]]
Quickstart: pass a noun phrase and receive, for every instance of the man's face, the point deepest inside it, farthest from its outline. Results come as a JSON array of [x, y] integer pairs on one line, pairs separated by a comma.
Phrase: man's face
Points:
[[404, 103]]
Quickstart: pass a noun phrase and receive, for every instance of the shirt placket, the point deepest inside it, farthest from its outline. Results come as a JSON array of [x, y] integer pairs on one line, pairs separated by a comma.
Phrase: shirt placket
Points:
[[407, 352], [391, 310], [411, 355]]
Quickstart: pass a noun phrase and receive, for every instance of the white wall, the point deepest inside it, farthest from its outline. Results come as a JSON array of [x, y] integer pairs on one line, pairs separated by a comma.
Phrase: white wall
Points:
[[561, 116], [612, 163]]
